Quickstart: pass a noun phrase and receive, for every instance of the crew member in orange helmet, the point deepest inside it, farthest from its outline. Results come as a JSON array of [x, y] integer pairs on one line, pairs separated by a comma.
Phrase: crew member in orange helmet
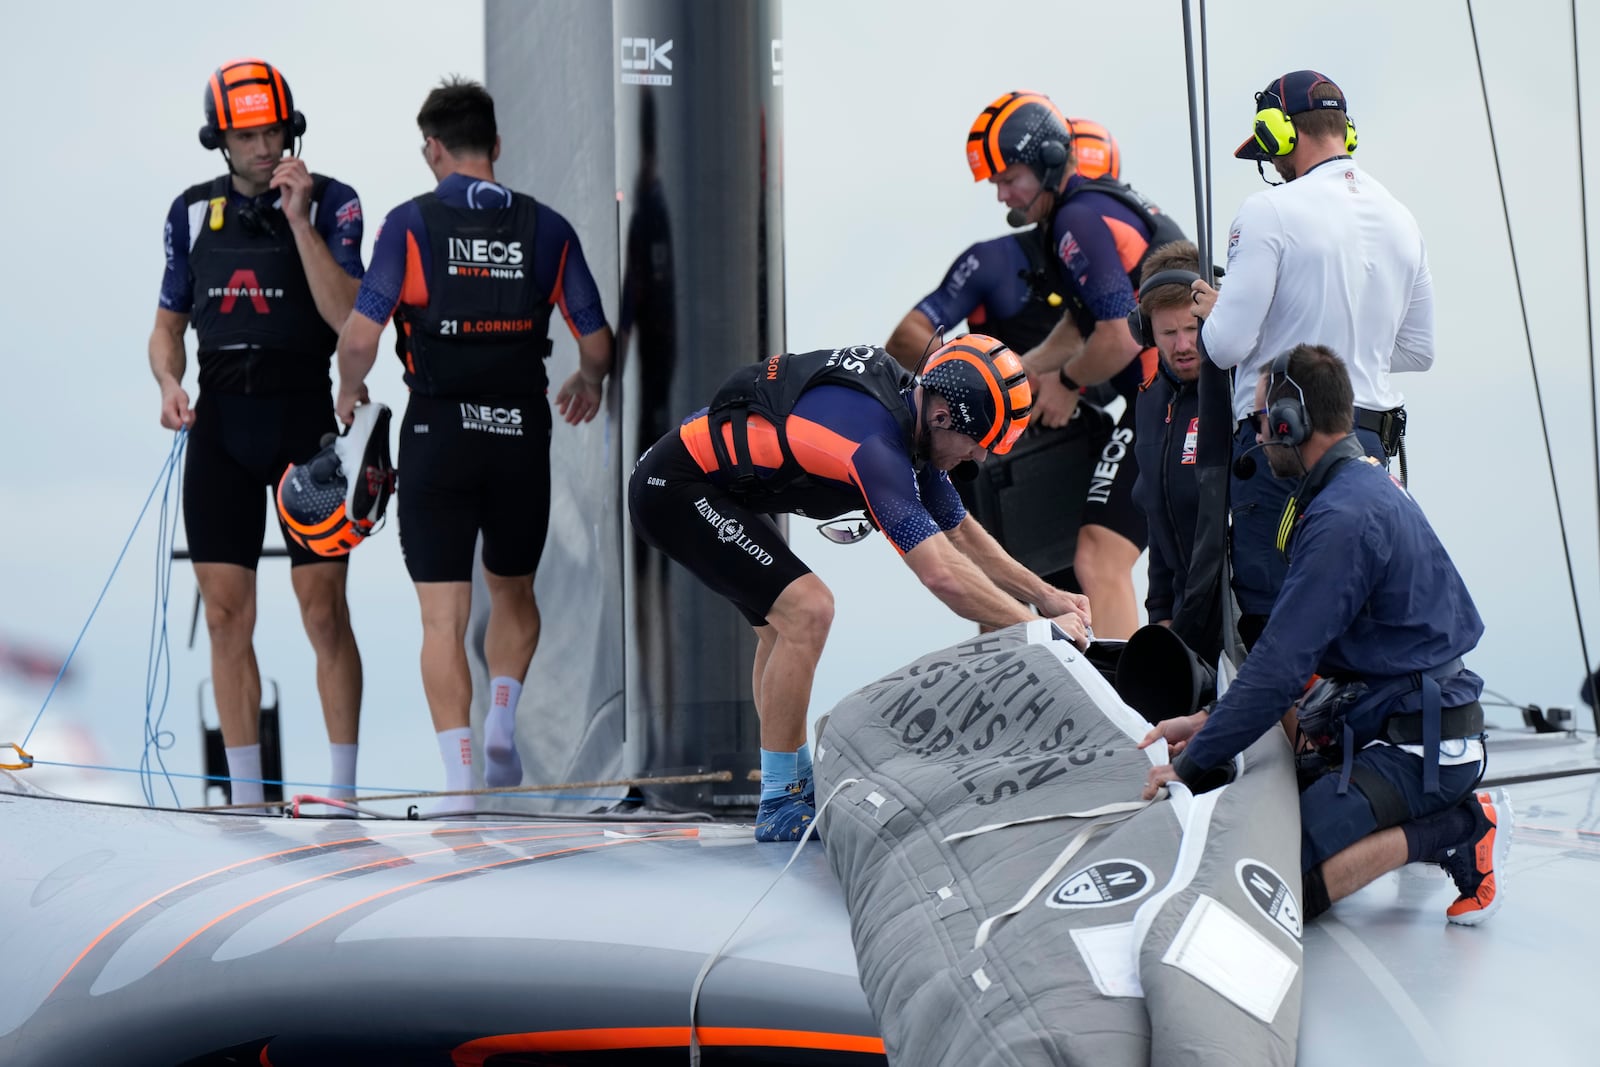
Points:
[[264, 262], [820, 434], [1093, 237]]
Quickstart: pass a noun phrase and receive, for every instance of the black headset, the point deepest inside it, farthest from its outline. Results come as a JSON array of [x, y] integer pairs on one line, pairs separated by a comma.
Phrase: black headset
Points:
[[1287, 421], [1053, 157], [1138, 324], [211, 136]]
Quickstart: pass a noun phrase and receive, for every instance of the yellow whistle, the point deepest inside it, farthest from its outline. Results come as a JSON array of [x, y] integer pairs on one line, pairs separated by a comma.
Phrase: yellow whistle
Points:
[[1054, 299], [217, 204]]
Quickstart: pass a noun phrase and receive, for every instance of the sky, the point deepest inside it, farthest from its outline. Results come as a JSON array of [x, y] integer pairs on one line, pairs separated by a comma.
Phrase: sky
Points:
[[878, 201]]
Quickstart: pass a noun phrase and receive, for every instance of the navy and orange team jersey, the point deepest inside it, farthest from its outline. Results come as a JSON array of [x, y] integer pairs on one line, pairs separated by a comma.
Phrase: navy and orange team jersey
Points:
[[336, 216], [402, 258], [1100, 241], [987, 281], [851, 447]]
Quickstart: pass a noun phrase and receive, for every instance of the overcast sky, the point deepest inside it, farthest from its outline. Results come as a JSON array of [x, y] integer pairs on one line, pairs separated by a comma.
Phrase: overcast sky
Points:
[[878, 98]]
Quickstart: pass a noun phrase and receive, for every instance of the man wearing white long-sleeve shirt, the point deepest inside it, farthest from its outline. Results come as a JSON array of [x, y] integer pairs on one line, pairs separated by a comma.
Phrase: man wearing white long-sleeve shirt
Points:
[[1328, 257]]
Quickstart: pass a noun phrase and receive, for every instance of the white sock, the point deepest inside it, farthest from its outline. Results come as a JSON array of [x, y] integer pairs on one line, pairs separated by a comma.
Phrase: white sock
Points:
[[244, 762], [503, 765], [455, 751], [343, 778]]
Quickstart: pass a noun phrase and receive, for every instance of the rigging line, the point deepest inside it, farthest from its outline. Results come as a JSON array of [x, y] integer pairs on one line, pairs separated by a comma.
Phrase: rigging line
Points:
[[1588, 298], [158, 664], [1205, 131], [1210, 601], [1202, 229], [1533, 365], [177, 449]]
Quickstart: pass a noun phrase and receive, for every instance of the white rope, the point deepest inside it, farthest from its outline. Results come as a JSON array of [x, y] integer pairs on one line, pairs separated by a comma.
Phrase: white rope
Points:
[[1115, 808], [705, 968]]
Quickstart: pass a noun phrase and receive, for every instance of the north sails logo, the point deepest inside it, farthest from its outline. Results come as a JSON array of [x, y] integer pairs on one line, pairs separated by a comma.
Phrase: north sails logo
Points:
[[1270, 894], [731, 532], [1102, 885]]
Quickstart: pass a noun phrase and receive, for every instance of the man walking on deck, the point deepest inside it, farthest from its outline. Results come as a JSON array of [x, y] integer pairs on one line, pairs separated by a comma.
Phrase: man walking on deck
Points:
[[265, 262], [1326, 257], [472, 273], [1389, 740], [823, 433]]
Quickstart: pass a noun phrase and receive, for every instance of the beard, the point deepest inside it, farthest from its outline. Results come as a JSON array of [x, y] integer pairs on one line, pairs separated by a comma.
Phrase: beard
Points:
[[1284, 461]]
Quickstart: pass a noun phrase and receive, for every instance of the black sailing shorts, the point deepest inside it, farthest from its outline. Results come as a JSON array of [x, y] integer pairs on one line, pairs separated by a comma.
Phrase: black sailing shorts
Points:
[[237, 451], [732, 548], [469, 466]]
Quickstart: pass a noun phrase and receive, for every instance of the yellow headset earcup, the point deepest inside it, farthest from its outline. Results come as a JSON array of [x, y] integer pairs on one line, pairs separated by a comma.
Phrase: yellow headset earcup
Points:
[[1349, 136], [1274, 131]]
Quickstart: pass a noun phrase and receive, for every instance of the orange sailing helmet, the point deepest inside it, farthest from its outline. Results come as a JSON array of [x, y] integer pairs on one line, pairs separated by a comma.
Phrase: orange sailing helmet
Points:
[[986, 387], [333, 501], [1020, 127], [246, 93], [1095, 150]]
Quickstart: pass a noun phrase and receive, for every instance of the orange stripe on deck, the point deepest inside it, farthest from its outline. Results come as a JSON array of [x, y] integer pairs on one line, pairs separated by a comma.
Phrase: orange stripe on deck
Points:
[[386, 861], [469, 870], [476, 1052], [317, 847]]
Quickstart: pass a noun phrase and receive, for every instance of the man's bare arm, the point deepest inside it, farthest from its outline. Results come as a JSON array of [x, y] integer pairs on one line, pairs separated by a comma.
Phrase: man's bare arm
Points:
[[1060, 347], [948, 574], [910, 339], [358, 351], [168, 362], [1109, 348], [978, 545]]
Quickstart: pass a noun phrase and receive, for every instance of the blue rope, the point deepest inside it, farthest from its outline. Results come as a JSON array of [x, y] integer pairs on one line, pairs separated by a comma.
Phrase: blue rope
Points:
[[177, 449], [158, 663]]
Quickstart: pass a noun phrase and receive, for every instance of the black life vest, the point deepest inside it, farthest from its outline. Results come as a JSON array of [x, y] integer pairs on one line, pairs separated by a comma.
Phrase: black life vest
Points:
[[773, 387], [484, 331], [1161, 229], [1045, 304], [258, 325]]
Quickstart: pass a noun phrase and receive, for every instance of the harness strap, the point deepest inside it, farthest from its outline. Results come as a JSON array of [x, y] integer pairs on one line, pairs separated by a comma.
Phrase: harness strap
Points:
[[1432, 723], [1389, 807], [1401, 727], [1464, 720]]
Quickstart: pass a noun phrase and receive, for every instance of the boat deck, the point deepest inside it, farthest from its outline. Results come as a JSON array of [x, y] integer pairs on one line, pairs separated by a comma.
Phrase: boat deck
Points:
[[168, 932]]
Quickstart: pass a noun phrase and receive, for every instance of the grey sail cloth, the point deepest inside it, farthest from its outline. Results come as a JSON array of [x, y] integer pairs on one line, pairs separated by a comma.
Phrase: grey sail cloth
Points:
[[1011, 899]]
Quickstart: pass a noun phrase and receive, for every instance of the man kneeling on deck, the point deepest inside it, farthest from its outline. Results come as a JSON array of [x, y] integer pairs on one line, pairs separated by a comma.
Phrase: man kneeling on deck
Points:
[[1390, 733], [820, 434]]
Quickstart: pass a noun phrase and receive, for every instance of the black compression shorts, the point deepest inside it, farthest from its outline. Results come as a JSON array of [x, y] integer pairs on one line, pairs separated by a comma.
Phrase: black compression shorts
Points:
[[1109, 502], [468, 467], [238, 446], [735, 550]]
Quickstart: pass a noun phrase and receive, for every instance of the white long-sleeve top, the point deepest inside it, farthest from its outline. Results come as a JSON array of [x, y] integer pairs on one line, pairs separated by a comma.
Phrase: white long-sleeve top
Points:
[[1330, 258]]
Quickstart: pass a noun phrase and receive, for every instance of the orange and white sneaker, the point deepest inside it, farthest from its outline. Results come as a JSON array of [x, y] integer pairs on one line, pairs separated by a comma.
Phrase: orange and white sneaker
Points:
[[1478, 864]]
